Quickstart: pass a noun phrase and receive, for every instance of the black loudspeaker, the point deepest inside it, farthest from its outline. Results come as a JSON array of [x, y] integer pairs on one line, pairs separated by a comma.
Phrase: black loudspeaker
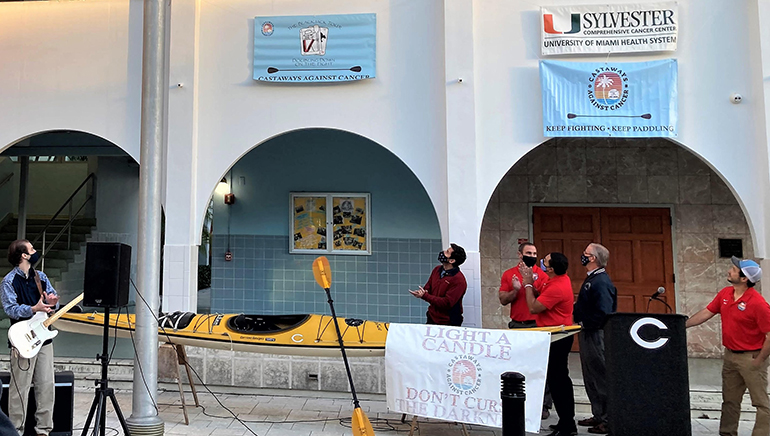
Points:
[[108, 270], [648, 388], [63, 404]]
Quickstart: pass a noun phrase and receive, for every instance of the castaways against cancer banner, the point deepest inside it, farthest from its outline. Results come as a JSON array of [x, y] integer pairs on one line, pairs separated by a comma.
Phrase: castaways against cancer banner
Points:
[[595, 99], [453, 373], [322, 48], [617, 28]]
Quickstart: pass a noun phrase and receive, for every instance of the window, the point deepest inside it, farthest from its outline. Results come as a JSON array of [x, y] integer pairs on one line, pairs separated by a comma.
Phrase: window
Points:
[[330, 223]]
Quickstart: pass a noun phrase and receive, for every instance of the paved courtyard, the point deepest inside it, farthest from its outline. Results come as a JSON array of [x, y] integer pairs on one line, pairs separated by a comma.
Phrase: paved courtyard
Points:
[[270, 412]]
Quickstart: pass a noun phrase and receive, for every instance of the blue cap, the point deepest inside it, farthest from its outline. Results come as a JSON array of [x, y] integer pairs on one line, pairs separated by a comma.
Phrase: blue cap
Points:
[[750, 269]]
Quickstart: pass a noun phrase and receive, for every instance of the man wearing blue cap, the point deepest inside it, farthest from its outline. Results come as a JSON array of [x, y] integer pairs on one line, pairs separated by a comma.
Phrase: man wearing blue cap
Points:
[[746, 338]]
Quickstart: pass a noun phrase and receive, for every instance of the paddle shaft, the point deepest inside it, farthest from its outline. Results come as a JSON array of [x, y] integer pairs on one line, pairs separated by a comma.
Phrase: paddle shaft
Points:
[[342, 348]]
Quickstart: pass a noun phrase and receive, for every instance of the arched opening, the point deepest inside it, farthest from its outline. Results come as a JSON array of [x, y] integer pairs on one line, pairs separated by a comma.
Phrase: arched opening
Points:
[[89, 181], [270, 268], [606, 187]]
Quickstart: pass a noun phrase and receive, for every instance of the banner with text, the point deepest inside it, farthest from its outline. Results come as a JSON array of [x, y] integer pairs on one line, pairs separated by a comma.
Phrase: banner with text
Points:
[[616, 28], [323, 48], [453, 373], [637, 99]]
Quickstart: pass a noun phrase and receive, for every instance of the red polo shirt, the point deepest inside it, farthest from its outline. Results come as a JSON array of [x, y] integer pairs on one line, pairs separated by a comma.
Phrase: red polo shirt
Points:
[[557, 297], [519, 309], [745, 322]]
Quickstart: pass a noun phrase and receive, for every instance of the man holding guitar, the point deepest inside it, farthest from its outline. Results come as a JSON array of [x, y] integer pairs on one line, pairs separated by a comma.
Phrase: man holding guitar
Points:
[[25, 292]]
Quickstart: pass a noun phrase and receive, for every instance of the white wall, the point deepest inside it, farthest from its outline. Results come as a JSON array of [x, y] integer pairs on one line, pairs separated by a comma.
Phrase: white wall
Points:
[[71, 65]]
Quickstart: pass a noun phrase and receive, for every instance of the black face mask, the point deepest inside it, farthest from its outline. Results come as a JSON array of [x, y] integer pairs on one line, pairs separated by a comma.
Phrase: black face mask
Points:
[[584, 260], [34, 257], [442, 257], [530, 261]]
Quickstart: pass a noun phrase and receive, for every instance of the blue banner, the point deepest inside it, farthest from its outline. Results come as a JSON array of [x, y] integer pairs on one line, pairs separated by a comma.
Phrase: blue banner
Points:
[[322, 48], [635, 99]]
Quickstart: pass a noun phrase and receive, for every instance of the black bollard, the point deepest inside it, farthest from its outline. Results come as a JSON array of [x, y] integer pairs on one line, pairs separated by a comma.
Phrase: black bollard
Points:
[[513, 396]]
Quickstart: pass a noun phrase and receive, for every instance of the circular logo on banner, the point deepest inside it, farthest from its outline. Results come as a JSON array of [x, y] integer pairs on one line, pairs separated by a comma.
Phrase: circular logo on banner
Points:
[[267, 28], [463, 374], [608, 88]]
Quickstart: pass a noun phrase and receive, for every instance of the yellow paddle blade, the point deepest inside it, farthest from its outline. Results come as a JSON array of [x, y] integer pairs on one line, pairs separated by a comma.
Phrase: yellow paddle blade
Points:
[[322, 272], [360, 423]]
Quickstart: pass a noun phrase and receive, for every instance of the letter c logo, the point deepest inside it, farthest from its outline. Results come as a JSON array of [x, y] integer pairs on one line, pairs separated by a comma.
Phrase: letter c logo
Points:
[[650, 345], [297, 338]]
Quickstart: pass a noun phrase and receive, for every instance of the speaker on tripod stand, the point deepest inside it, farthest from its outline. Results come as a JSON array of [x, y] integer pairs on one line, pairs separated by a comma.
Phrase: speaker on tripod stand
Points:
[[107, 276]]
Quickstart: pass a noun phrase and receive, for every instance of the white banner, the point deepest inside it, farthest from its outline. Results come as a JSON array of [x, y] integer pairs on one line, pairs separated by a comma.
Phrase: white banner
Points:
[[616, 28], [453, 373]]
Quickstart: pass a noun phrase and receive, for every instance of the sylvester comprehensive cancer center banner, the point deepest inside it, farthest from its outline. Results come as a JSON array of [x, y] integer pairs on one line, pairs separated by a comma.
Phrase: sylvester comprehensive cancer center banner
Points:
[[614, 28], [322, 48], [594, 99], [453, 373]]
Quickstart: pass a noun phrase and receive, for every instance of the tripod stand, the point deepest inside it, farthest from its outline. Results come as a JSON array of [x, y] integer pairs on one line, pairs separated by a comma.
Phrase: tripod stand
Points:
[[99, 406]]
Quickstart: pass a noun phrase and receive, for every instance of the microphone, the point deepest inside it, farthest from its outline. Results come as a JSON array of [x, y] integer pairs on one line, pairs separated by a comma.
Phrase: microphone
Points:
[[661, 290]]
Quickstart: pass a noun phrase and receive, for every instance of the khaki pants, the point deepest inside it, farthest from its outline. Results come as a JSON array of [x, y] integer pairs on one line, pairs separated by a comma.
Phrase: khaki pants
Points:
[[737, 375], [24, 372]]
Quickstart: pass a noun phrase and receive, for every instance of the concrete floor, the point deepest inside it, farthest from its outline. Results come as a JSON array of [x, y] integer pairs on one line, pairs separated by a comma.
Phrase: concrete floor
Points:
[[268, 412]]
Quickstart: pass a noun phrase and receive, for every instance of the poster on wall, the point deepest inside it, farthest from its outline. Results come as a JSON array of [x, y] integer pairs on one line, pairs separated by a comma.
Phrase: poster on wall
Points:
[[459, 372], [315, 48], [618, 28], [309, 229], [350, 223], [597, 99], [336, 223]]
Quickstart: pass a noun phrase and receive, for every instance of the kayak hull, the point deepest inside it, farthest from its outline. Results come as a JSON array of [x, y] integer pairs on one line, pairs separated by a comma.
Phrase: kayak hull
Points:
[[314, 336]]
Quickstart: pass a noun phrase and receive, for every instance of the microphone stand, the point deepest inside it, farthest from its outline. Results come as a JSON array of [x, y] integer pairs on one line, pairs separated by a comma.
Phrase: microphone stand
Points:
[[658, 299]]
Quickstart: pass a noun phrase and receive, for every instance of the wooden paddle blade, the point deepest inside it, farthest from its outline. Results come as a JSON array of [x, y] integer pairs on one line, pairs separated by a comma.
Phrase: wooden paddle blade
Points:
[[360, 423], [322, 272]]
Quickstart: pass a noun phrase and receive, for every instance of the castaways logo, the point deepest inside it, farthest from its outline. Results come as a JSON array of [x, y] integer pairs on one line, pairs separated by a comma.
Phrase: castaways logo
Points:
[[463, 374], [267, 28], [608, 88]]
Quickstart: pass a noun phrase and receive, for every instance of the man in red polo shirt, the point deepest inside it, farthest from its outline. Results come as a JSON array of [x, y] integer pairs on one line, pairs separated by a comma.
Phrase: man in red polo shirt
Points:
[[745, 336], [511, 293], [510, 287], [554, 308], [445, 288]]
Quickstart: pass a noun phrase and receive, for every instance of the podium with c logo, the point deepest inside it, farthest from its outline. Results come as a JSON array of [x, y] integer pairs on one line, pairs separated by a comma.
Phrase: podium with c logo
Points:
[[648, 389]]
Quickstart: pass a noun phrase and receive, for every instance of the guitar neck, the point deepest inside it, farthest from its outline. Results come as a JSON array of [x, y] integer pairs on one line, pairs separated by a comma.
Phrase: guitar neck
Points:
[[63, 310]]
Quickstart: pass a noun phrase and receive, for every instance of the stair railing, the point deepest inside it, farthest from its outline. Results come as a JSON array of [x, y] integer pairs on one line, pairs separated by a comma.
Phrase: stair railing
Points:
[[68, 226], [6, 179]]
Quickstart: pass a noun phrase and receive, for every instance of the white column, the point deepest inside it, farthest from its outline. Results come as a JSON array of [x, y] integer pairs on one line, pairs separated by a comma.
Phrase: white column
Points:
[[461, 148], [180, 263]]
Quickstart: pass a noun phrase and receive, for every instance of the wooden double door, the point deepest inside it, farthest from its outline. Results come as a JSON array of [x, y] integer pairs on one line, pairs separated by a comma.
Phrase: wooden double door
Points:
[[639, 241]]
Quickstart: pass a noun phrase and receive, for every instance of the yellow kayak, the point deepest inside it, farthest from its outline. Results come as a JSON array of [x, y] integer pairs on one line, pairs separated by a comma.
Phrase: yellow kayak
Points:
[[301, 335]]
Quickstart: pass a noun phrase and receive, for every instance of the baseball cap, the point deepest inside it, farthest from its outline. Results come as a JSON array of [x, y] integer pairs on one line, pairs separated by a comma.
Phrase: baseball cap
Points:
[[750, 269]]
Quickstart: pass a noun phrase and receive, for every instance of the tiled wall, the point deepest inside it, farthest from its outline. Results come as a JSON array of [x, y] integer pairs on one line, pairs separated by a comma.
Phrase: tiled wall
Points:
[[264, 278], [600, 171]]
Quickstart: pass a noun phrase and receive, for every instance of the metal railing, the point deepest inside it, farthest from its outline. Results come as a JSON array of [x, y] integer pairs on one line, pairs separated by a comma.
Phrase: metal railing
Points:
[[68, 226], [6, 179]]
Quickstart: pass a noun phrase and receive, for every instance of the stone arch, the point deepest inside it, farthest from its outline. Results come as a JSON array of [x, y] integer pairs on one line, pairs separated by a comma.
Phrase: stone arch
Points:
[[614, 171]]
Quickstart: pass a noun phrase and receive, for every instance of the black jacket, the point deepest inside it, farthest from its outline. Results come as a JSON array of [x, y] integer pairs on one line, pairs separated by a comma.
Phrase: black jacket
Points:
[[598, 298]]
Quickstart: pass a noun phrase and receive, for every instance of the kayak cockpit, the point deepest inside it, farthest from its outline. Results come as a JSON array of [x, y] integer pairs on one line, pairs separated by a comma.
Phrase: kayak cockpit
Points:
[[177, 320], [265, 323]]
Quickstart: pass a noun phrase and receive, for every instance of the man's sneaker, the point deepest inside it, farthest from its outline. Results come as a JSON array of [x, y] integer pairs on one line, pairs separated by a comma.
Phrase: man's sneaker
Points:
[[589, 422]]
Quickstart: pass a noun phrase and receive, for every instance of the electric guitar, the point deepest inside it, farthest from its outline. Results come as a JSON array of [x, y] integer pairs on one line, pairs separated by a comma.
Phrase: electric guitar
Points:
[[29, 336]]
